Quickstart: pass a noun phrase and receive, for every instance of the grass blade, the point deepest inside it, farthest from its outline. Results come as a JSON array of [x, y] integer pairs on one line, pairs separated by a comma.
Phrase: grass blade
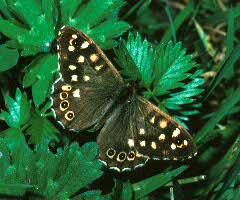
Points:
[[224, 70], [146, 186], [230, 102]]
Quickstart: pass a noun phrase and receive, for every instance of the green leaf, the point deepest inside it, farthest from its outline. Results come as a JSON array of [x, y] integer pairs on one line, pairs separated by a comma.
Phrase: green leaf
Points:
[[146, 186], [16, 161], [15, 189], [41, 130], [90, 195], [19, 110], [42, 173], [37, 31], [14, 134], [171, 68], [76, 173], [101, 24], [136, 59], [40, 75], [8, 58]]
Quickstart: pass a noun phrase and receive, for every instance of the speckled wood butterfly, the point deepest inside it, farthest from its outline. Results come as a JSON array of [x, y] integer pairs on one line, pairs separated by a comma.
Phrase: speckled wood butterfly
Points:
[[91, 93]]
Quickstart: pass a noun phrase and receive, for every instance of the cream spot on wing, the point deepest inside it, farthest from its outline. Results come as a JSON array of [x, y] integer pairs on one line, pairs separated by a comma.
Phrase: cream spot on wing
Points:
[[71, 48], [152, 120], [173, 146], [99, 67], [176, 132], [180, 146], [66, 87], [74, 36], [86, 78], [143, 143], [141, 131], [76, 93], [70, 41], [74, 78], [162, 137], [72, 67], [84, 45], [153, 145], [138, 155], [175, 159], [163, 124], [131, 142], [94, 57], [80, 59], [189, 157], [185, 142]]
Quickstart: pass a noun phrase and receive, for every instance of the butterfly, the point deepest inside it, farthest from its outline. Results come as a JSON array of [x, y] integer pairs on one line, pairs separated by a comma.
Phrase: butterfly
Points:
[[92, 93]]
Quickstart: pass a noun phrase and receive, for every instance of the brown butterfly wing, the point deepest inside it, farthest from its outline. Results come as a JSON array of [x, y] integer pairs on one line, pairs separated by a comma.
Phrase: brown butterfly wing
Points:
[[138, 131], [89, 81]]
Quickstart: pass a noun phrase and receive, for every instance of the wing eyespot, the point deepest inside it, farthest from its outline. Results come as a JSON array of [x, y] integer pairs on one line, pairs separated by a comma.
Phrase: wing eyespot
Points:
[[63, 95], [111, 153], [131, 156], [69, 115], [64, 105], [121, 156]]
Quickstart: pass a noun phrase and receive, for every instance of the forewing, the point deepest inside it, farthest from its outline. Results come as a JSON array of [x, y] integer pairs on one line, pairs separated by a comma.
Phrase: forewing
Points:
[[89, 81]]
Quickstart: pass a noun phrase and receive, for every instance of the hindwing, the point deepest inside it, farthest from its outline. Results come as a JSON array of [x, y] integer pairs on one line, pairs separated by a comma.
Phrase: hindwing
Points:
[[138, 131]]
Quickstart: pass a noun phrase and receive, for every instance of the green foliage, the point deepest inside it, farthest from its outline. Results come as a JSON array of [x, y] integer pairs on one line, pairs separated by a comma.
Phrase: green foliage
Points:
[[101, 22], [40, 75], [8, 58], [135, 58], [161, 71], [232, 100], [41, 134], [122, 190], [34, 35], [146, 186], [19, 110], [33, 165], [44, 174]]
